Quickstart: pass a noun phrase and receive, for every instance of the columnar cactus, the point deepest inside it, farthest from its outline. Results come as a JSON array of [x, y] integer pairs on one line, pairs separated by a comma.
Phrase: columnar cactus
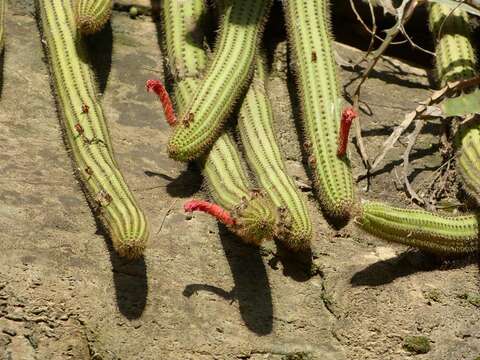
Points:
[[224, 81], [421, 229], [456, 60], [92, 15], [455, 56], [255, 217], [255, 125], [311, 46], [86, 131]]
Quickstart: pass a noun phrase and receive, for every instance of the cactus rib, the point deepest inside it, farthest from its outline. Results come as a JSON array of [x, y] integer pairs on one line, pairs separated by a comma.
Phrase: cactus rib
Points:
[[92, 15], [421, 229], [255, 126], [254, 214], [86, 131], [225, 78], [315, 69]]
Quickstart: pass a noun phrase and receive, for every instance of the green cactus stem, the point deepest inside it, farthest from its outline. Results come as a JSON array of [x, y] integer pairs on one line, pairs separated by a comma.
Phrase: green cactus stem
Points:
[[3, 5], [449, 235], [310, 40], [255, 126], [226, 76], [255, 216], [455, 60], [92, 15], [455, 56], [86, 132]]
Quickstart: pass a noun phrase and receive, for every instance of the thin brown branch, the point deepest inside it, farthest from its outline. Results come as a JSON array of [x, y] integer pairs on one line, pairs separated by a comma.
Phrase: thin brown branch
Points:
[[427, 110], [412, 138]]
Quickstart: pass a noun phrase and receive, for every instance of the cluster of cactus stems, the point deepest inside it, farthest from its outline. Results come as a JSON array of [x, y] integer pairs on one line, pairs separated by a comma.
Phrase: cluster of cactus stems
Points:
[[206, 92], [456, 61], [224, 80], [246, 212], [86, 132], [92, 15]]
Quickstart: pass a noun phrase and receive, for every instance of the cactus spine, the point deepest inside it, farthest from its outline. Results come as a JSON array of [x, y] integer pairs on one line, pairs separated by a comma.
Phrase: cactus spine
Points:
[[227, 75], [421, 229], [456, 61], [311, 46], [92, 15], [255, 125], [254, 214], [86, 131]]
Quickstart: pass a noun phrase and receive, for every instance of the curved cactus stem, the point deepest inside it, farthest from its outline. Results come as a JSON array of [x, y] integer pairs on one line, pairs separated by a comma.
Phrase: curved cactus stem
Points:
[[92, 15], [428, 231], [311, 46], [86, 131], [227, 75], [254, 215], [255, 125]]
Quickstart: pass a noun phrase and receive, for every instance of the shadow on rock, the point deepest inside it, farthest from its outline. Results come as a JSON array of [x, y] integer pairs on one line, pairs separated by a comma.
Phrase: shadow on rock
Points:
[[251, 290], [296, 265], [131, 284], [406, 264], [185, 185], [99, 48]]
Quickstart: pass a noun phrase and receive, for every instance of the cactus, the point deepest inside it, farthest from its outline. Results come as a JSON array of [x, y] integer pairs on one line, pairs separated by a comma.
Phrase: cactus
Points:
[[456, 60], [255, 125], [86, 132], [311, 46], [255, 216], [455, 56], [421, 229], [3, 5], [92, 15], [226, 76]]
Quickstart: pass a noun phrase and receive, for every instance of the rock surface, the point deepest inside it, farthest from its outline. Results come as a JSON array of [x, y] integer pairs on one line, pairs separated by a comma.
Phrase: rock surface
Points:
[[199, 293]]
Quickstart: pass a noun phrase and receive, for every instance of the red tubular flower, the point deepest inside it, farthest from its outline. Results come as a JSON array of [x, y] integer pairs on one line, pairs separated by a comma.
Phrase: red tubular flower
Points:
[[348, 115], [215, 210], [159, 89]]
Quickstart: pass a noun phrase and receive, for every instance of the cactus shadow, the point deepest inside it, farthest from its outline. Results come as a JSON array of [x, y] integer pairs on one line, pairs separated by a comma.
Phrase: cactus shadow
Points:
[[405, 264], [99, 54], [251, 286], [296, 265], [130, 282], [188, 183]]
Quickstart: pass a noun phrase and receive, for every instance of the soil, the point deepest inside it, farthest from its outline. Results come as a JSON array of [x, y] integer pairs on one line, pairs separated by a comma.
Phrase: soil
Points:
[[199, 292]]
